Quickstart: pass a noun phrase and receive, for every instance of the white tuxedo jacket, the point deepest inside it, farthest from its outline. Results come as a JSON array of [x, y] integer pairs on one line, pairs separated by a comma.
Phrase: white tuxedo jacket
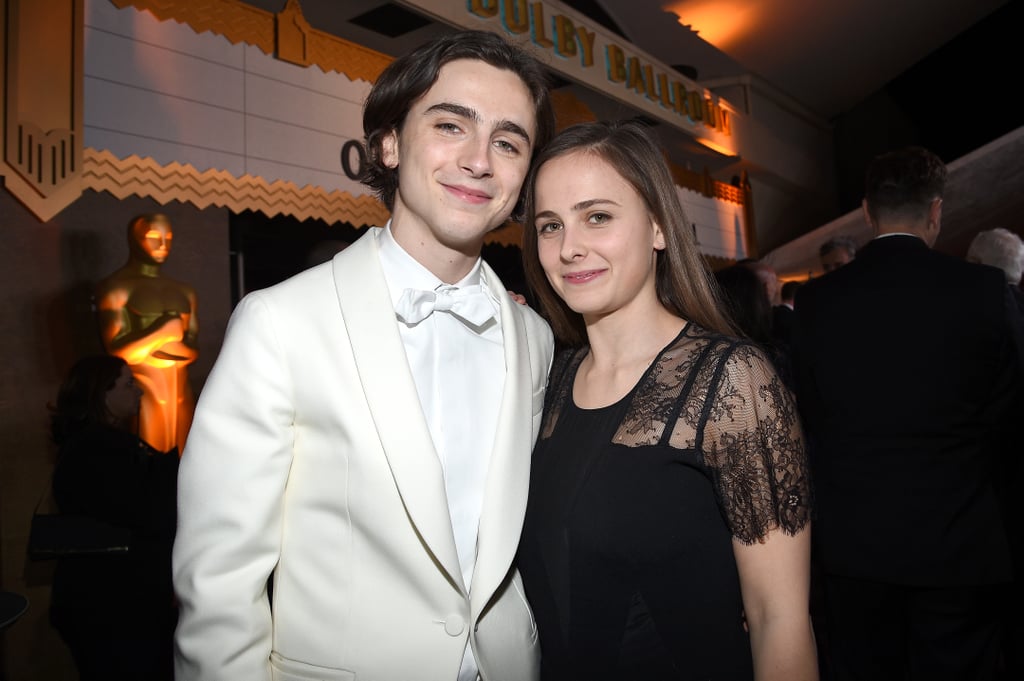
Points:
[[309, 459]]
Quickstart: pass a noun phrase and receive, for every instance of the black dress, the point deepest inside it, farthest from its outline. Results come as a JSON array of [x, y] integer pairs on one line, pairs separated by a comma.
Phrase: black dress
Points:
[[627, 548], [117, 613]]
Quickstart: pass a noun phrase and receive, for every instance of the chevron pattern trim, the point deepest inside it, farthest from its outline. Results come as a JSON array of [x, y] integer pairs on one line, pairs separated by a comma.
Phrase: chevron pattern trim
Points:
[[239, 22], [136, 176]]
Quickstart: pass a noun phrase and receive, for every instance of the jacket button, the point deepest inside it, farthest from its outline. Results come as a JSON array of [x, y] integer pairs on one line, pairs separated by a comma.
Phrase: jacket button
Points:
[[454, 625]]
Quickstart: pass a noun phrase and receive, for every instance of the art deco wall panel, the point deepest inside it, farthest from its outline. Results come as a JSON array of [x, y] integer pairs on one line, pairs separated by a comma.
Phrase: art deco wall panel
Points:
[[42, 102]]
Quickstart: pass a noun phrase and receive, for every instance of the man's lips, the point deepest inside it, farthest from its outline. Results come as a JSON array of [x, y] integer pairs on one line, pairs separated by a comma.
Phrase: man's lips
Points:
[[468, 194], [582, 277]]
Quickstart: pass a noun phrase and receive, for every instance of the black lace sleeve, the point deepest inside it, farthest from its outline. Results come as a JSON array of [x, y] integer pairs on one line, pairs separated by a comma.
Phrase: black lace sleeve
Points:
[[753, 444]]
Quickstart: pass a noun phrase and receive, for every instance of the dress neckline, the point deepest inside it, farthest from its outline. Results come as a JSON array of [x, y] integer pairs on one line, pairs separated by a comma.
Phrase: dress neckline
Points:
[[629, 393]]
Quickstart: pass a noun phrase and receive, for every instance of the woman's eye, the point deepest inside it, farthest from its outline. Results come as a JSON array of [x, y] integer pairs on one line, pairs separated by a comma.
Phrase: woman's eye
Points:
[[599, 218], [548, 227]]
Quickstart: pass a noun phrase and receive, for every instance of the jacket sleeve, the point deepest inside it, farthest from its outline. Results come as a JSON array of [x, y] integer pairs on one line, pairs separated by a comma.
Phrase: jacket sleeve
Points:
[[230, 495]]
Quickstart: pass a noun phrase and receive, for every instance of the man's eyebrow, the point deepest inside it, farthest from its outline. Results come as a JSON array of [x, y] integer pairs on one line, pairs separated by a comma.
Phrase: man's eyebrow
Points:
[[514, 129], [472, 114]]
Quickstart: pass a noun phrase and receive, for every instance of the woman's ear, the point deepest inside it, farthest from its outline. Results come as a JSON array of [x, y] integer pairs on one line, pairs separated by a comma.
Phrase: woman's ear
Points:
[[659, 236]]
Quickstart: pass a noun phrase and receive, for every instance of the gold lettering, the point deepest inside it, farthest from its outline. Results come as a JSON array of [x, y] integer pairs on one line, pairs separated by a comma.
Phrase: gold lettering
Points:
[[696, 107], [664, 95], [565, 36], [616, 63], [710, 109], [484, 8], [652, 93], [537, 21], [516, 17], [568, 40], [679, 98], [635, 80], [585, 39]]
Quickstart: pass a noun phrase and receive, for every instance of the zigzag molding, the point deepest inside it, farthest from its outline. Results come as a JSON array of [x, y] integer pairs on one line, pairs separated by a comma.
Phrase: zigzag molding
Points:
[[240, 22], [137, 176]]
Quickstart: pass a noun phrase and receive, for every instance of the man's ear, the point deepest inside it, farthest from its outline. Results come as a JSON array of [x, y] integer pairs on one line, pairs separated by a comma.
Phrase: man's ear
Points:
[[389, 149], [867, 215], [935, 213], [934, 225]]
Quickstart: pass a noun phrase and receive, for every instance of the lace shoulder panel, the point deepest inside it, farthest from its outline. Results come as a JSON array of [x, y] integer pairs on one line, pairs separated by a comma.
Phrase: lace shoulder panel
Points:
[[724, 399], [753, 445]]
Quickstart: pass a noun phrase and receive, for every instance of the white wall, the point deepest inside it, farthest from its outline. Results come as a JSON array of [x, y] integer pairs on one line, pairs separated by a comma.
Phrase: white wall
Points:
[[157, 89]]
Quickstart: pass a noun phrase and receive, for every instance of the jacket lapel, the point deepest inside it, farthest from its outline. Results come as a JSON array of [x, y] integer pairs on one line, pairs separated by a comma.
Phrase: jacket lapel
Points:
[[392, 398], [508, 476]]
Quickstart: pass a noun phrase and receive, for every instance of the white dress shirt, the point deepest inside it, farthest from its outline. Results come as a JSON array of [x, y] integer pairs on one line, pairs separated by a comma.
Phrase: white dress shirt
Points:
[[460, 375]]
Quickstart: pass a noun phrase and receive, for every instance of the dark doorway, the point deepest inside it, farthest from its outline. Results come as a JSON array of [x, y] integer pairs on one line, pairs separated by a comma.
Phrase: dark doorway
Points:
[[268, 250], [265, 250]]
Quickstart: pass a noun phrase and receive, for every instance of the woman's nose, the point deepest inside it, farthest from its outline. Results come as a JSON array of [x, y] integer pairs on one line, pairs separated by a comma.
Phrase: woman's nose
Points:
[[573, 246]]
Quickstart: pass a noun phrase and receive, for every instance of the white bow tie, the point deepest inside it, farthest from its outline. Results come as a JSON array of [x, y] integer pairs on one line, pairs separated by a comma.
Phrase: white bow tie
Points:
[[469, 303]]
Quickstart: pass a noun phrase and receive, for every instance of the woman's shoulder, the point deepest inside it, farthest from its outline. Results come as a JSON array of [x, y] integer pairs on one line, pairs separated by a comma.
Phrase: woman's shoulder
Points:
[[698, 344], [712, 362]]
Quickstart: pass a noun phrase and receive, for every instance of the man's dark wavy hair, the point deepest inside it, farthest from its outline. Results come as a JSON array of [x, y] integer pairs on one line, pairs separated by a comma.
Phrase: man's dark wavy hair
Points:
[[409, 77], [903, 183]]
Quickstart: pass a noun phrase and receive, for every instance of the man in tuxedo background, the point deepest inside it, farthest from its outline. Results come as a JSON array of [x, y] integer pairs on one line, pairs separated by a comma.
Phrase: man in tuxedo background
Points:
[[906, 363], [364, 438]]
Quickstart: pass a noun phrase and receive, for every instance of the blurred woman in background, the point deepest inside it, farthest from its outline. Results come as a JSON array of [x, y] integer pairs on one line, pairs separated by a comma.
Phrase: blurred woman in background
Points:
[[116, 612]]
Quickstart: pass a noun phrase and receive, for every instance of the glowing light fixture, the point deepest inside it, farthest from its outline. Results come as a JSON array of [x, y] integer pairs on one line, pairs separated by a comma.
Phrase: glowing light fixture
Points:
[[716, 146], [719, 22]]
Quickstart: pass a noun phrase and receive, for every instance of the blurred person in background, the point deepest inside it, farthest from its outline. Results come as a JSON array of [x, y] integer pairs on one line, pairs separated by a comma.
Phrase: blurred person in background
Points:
[[1001, 248], [115, 612], [836, 252], [909, 534]]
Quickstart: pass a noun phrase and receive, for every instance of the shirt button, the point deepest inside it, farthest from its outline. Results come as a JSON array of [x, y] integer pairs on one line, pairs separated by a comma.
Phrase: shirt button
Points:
[[454, 625]]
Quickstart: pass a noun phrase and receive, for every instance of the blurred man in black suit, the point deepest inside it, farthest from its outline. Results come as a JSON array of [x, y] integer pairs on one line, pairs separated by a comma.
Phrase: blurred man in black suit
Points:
[[906, 363]]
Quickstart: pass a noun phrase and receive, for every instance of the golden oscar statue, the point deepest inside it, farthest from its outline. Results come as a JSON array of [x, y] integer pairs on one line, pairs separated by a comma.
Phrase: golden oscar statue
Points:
[[150, 321]]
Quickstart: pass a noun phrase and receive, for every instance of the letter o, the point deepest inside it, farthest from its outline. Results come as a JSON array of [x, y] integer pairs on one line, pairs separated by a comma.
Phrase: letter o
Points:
[[346, 159]]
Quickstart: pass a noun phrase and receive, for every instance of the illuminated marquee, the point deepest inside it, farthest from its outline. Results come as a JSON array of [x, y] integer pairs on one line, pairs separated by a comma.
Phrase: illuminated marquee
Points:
[[569, 39]]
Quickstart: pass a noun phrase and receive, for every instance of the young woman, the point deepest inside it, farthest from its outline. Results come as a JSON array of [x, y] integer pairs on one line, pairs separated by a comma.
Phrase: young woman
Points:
[[115, 612], [667, 533]]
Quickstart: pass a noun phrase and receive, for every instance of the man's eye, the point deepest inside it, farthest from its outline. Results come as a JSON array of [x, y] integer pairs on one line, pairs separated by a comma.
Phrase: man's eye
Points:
[[507, 147]]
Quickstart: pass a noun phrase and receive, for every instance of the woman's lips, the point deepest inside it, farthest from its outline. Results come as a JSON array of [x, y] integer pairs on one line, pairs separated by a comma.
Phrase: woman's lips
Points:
[[582, 277]]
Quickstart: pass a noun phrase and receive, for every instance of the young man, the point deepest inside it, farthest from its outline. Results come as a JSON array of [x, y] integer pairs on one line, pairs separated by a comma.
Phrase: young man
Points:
[[364, 438]]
